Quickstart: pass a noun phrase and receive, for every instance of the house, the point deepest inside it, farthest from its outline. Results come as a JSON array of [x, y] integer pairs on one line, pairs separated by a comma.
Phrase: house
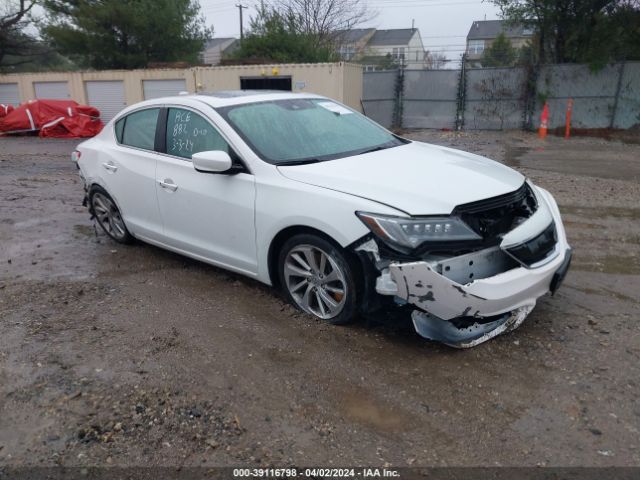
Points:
[[215, 48], [403, 45], [351, 44], [380, 49], [482, 34]]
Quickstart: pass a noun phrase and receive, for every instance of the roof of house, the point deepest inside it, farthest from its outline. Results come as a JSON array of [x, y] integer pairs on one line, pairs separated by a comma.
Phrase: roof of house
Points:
[[221, 42], [354, 35], [492, 28], [398, 36]]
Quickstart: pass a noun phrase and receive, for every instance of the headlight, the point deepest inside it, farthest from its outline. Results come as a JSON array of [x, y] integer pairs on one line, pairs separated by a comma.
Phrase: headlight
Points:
[[411, 232]]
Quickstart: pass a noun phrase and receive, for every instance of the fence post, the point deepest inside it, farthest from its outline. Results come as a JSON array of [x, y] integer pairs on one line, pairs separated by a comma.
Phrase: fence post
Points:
[[615, 99], [398, 98], [462, 94], [530, 92]]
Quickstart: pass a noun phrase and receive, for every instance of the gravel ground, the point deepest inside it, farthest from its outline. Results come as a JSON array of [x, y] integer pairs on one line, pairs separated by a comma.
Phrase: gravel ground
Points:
[[113, 355]]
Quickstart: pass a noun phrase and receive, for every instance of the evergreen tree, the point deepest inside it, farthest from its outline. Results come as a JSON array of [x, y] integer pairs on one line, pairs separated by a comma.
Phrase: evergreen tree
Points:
[[106, 34]]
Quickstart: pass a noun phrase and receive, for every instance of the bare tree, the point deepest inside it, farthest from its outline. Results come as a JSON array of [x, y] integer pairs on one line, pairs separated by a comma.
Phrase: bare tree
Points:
[[435, 60], [324, 18], [14, 42]]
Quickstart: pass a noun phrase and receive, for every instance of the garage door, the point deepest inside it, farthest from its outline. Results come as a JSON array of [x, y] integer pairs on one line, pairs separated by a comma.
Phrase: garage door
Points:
[[162, 88], [9, 94], [52, 90], [106, 96]]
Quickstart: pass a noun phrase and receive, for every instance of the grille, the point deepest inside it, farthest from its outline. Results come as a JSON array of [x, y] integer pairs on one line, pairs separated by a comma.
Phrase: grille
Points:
[[493, 217]]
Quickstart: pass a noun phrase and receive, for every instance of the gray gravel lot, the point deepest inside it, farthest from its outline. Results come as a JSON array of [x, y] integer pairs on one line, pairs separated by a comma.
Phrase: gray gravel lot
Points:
[[114, 355]]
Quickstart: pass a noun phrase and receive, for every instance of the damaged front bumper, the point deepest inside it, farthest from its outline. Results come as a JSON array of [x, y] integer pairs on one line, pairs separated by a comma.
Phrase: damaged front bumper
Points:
[[467, 300]]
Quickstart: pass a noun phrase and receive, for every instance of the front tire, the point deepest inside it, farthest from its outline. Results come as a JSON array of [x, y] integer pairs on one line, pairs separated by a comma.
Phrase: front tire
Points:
[[106, 213], [317, 277]]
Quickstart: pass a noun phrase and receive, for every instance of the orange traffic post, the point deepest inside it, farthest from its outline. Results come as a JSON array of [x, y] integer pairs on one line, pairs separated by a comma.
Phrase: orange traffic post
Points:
[[544, 122], [567, 128]]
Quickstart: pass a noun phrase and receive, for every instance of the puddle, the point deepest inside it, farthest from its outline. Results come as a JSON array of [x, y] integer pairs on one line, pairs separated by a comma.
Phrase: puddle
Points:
[[513, 153], [87, 230], [362, 409]]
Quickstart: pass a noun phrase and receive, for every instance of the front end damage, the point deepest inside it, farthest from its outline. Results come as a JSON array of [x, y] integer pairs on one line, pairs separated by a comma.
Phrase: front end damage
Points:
[[468, 294]]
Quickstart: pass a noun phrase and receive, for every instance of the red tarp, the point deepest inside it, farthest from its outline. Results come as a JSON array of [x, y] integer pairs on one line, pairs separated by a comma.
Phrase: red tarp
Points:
[[5, 109], [53, 118]]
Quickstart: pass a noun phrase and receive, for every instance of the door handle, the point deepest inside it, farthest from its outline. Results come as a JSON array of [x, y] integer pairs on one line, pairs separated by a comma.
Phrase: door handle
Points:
[[168, 185], [110, 166]]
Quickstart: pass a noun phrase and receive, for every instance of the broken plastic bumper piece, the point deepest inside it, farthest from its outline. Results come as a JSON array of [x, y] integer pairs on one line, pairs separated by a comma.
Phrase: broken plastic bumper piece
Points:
[[467, 332], [467, 300], [466, 315]]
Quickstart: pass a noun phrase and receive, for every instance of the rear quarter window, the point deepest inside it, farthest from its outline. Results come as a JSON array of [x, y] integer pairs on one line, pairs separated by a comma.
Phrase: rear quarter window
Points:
[[119, 129]]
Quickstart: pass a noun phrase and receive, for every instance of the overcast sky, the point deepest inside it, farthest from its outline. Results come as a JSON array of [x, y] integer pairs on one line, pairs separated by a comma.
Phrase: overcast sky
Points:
[[443, 24]]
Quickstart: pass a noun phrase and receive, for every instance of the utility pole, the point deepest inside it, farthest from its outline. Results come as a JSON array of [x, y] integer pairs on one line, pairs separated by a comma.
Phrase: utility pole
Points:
[[240, 7]]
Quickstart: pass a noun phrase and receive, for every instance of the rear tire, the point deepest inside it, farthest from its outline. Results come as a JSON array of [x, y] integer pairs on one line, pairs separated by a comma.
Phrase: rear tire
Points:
[[317, 278], [106, 213]]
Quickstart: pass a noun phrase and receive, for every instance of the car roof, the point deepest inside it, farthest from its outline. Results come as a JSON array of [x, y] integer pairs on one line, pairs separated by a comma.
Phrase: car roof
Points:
[[224, 98]]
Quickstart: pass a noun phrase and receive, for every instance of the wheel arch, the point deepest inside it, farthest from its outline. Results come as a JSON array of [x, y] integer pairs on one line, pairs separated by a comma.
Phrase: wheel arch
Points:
[[100, 184], [285, 234]]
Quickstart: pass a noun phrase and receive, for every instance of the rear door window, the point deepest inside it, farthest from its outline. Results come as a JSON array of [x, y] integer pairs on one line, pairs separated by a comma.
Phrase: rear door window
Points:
[[139, 129]]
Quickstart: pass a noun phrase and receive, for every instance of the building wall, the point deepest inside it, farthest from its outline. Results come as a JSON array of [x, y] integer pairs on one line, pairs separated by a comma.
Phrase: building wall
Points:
[[357, 48], [213, 55], [340, 81], [353, 86], [132, 81], [516, 42], [414, 45]]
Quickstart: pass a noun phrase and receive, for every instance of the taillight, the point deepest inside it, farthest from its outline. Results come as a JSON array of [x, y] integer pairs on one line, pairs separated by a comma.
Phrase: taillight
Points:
[[75, 156]]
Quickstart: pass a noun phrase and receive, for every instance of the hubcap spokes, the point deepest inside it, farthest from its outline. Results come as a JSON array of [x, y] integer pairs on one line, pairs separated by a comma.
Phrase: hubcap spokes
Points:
[[315, 281], [108, 216]]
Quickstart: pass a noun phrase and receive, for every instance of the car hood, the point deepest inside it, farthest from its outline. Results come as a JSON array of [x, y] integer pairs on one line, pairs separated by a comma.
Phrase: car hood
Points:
[[417, 178]]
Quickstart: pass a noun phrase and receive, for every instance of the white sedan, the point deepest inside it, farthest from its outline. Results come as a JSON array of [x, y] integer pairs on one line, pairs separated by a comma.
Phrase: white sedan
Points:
[[346, 218]]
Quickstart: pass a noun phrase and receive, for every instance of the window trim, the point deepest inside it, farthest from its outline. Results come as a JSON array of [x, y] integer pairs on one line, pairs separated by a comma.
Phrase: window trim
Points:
[[159, 146], [125, 117]]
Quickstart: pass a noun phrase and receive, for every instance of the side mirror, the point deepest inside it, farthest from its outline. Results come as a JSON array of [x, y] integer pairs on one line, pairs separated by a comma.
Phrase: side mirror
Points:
[[212, 161]]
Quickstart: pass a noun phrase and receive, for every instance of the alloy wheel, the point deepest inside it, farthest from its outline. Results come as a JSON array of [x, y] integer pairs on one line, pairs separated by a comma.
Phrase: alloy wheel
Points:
[[108, 216], [315, 281]]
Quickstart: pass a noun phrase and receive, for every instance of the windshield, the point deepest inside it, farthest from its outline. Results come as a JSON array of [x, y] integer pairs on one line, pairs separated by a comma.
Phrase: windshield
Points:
[[305, 130]]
